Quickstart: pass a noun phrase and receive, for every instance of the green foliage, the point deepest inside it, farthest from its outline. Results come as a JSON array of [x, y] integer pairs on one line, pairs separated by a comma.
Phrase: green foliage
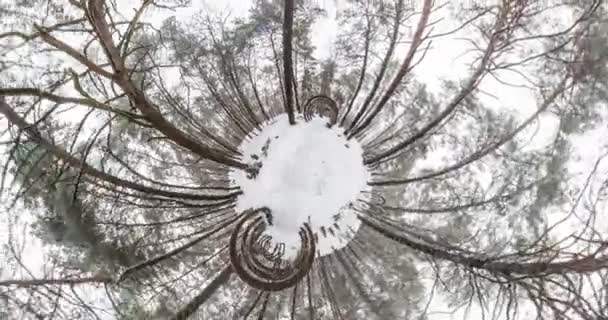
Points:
[[68, 217]]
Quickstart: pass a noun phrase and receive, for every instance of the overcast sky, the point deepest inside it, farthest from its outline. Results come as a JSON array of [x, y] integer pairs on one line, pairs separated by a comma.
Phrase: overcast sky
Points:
[[447, 60]]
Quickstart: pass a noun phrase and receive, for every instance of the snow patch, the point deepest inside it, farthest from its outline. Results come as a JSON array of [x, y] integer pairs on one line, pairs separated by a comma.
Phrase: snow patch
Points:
[[308, 173]]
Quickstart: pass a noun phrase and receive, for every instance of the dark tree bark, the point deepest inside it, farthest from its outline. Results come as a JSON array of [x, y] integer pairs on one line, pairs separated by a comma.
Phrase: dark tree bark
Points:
[[287, 59], [189, 309]]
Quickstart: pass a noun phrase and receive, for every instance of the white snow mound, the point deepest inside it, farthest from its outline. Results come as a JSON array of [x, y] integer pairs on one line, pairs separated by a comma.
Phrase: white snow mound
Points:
[[310, 173]]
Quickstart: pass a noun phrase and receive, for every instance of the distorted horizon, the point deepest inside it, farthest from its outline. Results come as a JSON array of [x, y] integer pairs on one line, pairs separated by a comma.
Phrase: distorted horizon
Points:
[[309, 173]]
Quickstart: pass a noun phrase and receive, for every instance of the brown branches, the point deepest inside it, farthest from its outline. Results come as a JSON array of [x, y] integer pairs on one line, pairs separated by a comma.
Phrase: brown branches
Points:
[[121, 76], [89, 102], [96, 15], [265, 268], [98, 279], [189, 309], [403, 70], [168, 213], [323, 105], [383, 67], [499, 38], [41, 30], [367, 42], [287, 59], [482, 152], [591, 263], [155, 260], [64, 47], [76, 163]]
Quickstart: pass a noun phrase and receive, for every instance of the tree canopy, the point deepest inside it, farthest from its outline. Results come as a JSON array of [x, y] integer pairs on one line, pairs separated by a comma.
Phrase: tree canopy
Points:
[[483, 128]]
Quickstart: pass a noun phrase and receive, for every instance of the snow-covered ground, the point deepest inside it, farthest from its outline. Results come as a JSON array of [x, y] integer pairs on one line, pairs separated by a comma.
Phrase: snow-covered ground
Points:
[[309, 174]]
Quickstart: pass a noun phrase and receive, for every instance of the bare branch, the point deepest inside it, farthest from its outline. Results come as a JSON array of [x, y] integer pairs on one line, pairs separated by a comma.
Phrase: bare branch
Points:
[[287, 59], [62, 154]]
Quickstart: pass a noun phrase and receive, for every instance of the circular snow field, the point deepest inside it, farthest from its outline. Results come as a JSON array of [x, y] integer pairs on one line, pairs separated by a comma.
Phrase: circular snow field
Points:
[[309, 174]]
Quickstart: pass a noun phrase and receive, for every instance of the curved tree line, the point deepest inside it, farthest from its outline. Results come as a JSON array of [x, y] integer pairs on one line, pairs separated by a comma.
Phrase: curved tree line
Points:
[[120, 142]]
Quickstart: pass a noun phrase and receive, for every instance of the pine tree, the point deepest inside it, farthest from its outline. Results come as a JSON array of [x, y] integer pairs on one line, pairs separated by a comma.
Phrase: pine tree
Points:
[[122, 137]]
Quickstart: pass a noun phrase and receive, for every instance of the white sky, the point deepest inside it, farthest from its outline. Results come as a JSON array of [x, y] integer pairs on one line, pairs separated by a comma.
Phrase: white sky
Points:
[[445, 61]]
